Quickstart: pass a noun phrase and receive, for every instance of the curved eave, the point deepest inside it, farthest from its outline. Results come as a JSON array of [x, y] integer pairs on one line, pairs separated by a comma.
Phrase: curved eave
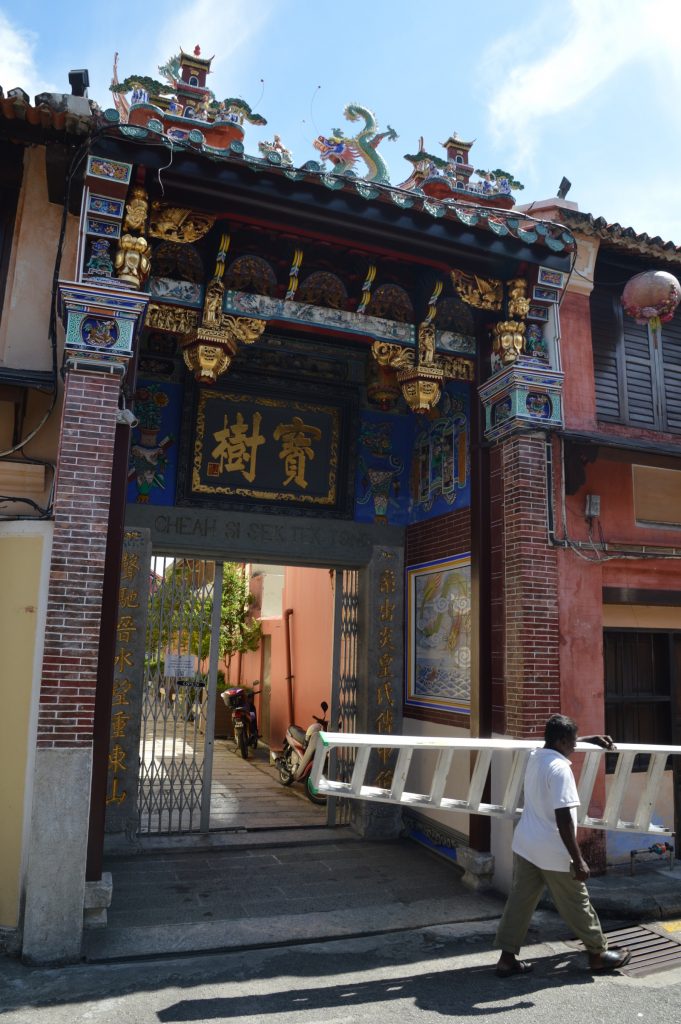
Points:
[[615, 236], [253, 191]]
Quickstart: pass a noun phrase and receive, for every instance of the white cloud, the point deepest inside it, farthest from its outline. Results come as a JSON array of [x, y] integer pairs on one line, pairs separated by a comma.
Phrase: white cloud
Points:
[[601, 38], [223, 28], [17, 63]]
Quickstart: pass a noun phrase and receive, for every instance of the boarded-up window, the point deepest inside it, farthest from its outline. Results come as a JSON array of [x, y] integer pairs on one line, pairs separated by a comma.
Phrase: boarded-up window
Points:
[[657, 495]]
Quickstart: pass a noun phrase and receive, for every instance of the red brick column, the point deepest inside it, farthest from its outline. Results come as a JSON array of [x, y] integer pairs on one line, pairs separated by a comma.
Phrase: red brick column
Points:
[[525, 626], [81, 512]]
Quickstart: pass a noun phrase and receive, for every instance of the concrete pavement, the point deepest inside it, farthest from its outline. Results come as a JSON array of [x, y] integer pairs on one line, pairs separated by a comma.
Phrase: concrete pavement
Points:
[[417, 976]]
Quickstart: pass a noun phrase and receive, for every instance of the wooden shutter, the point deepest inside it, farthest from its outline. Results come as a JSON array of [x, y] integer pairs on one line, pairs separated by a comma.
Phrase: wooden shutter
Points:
[[643, 409], [606, 338], [671, 373]]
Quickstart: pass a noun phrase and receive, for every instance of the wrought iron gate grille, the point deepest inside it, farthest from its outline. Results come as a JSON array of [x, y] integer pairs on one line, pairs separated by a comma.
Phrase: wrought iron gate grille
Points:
[[344, 704], [172, 781]]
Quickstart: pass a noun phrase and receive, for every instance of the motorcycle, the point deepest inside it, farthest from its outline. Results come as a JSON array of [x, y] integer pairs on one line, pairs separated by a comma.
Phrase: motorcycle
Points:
[[244, 718], [295, 761]]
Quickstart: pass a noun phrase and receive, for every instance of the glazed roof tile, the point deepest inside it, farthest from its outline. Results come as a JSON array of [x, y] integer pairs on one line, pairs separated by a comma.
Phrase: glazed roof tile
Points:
[[616, 236], [67, 115]]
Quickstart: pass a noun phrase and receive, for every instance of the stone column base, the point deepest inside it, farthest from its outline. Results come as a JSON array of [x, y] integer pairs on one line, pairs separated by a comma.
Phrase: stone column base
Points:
[[97, 900]]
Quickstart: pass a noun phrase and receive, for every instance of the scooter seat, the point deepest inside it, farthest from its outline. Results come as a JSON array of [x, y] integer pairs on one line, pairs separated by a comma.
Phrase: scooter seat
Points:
[[297, 733]]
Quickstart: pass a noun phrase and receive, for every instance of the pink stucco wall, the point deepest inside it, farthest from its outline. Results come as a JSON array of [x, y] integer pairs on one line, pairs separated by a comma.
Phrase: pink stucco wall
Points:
[[309, 593]]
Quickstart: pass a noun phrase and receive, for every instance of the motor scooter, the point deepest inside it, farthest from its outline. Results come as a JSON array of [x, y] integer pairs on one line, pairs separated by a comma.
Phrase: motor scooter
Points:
[[244, 718], [295, 761]]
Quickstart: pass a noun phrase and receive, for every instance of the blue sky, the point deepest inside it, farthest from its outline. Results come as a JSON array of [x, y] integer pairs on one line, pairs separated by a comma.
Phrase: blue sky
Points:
[[589, 89]]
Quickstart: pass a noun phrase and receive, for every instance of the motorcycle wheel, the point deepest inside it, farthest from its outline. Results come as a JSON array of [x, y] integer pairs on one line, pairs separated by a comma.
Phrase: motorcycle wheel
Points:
[[285, 773], [241, 743], [316, 798]]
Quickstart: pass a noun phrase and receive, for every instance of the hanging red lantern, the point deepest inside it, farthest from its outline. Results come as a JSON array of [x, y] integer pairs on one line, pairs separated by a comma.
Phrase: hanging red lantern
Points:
[[651, 297]]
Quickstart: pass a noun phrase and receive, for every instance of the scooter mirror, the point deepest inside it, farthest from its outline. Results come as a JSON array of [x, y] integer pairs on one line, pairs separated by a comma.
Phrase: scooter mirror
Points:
[[325, 706]]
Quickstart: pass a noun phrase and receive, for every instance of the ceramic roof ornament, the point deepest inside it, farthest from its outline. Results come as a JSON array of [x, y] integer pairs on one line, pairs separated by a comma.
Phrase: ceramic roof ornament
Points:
[[344, 153]]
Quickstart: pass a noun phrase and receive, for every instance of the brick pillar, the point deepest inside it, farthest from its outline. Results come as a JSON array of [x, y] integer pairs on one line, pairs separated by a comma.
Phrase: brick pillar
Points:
[[525, 585], [81, 515], [56, 870]]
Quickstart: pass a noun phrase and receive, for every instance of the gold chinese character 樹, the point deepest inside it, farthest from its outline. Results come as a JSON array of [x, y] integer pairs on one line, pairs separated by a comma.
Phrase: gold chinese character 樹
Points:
[[236, 449], [129, 565], [296, 448]]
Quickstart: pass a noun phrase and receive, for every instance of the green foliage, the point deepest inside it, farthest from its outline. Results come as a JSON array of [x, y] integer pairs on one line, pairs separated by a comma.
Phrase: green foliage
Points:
[[150, 85], [181, 608]]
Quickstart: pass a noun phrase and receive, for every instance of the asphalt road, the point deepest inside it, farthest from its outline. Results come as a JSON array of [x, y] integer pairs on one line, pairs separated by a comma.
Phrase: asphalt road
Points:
[[419, 976]]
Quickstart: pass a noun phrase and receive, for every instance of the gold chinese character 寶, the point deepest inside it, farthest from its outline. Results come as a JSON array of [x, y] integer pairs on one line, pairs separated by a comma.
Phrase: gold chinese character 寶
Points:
[[237, 450], [296, 448]]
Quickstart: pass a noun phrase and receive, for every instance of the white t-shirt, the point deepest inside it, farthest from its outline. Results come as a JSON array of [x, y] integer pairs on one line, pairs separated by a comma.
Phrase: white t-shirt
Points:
[[549, 784]]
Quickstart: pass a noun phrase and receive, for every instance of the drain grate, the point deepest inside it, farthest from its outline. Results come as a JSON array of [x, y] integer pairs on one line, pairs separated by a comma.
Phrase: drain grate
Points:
[[650, 951]]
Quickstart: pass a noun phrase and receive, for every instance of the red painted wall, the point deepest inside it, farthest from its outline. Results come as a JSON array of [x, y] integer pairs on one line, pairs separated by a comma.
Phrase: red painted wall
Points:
[[579, 396], [309, 592]]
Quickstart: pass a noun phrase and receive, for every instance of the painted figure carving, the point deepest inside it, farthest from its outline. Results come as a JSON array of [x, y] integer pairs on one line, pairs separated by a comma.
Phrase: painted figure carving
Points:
[[136, 210], [508, 340], [132, 260]]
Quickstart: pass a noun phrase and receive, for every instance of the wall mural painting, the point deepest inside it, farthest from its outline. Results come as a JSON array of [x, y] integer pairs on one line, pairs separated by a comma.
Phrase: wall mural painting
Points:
[[440, 471], [411, 468], [152, 471], [439, 634], [382, 483]]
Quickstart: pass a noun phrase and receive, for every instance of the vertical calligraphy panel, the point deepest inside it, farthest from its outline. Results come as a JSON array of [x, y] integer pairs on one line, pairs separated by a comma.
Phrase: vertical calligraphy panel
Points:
[[128, 681], [379, 709]]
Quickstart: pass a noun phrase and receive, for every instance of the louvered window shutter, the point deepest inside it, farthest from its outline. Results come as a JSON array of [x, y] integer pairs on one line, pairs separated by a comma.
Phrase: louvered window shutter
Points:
[[671, 360], [606, 336]]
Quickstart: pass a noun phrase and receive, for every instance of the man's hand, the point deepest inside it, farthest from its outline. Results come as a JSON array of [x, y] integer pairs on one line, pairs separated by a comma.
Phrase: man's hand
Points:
[[599, 741], [582, 870]]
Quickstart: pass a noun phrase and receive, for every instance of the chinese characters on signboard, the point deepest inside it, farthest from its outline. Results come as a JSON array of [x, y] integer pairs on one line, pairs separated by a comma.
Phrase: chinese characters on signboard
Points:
[[270, 449], [385, 687], [121, 795]]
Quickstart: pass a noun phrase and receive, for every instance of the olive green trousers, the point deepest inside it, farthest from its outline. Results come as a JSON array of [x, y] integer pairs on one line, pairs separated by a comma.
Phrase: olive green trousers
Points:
[[570, 897]]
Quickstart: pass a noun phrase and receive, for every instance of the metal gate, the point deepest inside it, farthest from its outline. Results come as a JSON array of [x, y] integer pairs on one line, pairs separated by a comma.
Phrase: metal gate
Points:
[[178, 706], [344, 684]]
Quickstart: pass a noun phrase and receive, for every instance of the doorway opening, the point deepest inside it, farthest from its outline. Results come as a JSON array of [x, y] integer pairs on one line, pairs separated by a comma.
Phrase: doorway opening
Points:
[[275, 639]]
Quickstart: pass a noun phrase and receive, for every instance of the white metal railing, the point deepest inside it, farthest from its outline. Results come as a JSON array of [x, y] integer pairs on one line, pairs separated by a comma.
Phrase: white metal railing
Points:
[[485, 749]]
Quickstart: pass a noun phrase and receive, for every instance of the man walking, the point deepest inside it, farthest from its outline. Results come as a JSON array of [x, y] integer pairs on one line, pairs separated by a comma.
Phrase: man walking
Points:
[[545, 853]]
